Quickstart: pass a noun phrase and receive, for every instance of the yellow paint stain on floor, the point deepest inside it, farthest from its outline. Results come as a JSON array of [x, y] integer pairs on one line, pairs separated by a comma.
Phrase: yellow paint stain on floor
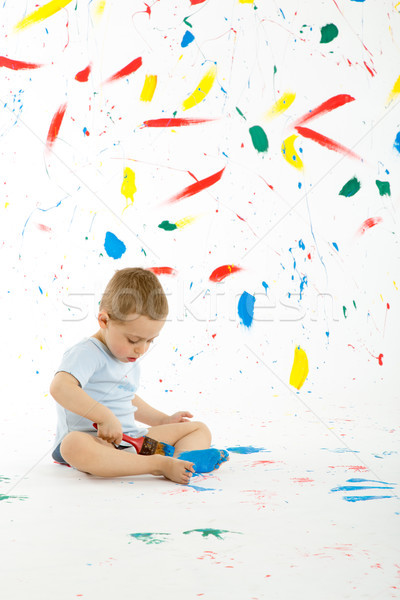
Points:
[[186, 221], [202, 89], [42, 13], [395, 91]]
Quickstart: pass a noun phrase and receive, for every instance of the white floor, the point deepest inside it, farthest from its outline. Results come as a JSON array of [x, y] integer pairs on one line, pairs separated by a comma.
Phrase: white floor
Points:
[[271, 524]]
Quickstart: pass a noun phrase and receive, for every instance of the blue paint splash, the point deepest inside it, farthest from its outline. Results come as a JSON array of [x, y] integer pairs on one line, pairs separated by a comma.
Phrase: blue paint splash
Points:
[[246, 449], [301, 245], [265, 286], [396, 144], [113, 246], [350, 488], [246, 308], [334, 244], [187, 39], [361, 498]]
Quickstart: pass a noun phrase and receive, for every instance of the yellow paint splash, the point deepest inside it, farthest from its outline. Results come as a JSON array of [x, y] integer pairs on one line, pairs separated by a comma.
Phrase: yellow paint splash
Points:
[[299, 368], [149, 87], [98, 9], [394, 283], [395, 91], [280, 105], [246, 1], [186, 221], [128, 187], [289, 152], [41, 14], [202, 89]]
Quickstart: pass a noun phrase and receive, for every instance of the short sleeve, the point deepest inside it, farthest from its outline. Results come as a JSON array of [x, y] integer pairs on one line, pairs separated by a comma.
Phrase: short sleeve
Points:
[[81, 361]]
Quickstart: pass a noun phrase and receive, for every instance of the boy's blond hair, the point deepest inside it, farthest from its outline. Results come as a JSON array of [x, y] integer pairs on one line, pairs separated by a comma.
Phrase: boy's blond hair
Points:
[[134, 290]]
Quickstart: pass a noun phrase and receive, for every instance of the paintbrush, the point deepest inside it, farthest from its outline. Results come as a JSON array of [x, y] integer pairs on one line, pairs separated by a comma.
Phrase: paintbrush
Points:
[[146, 445]]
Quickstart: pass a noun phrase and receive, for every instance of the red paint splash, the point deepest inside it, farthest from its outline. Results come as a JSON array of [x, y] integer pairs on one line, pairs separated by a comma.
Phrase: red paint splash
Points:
[[368, 223], [43, 227], [323, 140], [325, 107], [55, 125], [302, 480], [174, 122], [380, 357], [197, 187], [162, 270], [83, 75], [17, 65], [370, 71], [130, 68], [194, 2], [221, 272]]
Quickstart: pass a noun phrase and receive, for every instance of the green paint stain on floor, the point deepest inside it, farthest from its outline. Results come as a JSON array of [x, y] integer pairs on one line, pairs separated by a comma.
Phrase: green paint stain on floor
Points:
[[328, 33], [355, 305], [350, 188], [167, 226], [259, 138], [150, 538], [8, 498], [240, 113], [2, 478], [383, 187], [344, 312], [214, 532]]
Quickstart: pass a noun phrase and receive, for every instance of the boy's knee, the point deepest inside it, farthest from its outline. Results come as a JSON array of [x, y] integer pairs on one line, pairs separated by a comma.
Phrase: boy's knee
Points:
[[72, 445], [203, 427]]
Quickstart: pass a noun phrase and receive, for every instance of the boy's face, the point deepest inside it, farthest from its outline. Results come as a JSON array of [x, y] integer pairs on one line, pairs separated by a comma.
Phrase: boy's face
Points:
[[128, 341]]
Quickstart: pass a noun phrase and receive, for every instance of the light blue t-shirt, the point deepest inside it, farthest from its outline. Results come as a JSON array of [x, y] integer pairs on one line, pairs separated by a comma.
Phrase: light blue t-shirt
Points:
[[107, 380]]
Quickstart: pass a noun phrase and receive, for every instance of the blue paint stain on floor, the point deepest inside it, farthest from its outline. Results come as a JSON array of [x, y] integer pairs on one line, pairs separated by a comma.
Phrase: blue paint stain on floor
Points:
[[246, 308], [246, 449], [362, 498], [114, 246]]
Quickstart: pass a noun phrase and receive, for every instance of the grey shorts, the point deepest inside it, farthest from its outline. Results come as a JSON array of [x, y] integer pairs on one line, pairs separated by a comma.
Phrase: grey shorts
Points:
[[57, 457]]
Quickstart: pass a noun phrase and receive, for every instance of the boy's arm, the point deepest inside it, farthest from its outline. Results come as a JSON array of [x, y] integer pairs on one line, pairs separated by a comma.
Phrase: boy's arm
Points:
[[66, 391], [147, 414]]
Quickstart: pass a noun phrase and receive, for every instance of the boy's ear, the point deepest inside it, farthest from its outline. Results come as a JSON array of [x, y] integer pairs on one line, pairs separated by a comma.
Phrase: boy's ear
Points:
[[103, 319]]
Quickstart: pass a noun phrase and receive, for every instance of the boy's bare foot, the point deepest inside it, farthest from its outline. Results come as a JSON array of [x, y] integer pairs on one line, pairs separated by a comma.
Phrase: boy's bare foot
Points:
[[206, 460], [174, 469]]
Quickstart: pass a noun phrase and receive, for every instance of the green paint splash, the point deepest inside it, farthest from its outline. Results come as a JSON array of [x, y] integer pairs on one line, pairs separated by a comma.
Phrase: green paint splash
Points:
[[383, 187], [328, 33], [150, 538], [167, 226], [240, 113], [2, 478], [4, 497], [259, 138], [350, 188], [355, 306], [185, 20], [217, 533], [344, 312]]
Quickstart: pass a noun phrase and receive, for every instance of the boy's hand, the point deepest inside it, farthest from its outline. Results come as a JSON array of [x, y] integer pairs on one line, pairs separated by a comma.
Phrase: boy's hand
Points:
[[110, 430], [179, 417]]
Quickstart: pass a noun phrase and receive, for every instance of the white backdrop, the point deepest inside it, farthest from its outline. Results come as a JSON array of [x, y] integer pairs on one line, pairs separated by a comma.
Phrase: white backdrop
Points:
[[333, 282]]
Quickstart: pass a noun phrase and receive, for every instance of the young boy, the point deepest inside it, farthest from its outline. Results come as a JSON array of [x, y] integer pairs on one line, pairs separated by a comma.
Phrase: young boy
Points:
[[97, 380]]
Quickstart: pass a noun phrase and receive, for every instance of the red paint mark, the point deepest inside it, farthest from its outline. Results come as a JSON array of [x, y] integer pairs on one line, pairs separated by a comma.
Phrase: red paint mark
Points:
[[368, 223], [43, 227], [377, 566], [302, 480], [387, 305], [369, 69], [83, 75], [130, 68], [174, 122], [221, 272], [163, 270], [380, 357], [309, 256], [262, 462], [323, 140], [55, 125], [193, 2], [17, 65], [325, 107], [197, 187]]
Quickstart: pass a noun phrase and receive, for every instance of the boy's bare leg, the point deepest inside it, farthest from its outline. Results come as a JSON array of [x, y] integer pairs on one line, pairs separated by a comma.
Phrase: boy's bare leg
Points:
[[93, 455], [191, 435]]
